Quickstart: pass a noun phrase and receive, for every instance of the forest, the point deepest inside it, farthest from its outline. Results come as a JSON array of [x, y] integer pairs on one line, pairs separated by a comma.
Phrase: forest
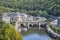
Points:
[[32, 7]]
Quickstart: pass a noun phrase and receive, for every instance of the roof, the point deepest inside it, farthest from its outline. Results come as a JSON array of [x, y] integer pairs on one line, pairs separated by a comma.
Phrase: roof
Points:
[[5, 15], [14, 13]]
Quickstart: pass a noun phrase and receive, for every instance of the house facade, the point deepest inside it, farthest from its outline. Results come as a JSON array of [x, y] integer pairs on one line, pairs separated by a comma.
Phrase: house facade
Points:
[[6, 18]]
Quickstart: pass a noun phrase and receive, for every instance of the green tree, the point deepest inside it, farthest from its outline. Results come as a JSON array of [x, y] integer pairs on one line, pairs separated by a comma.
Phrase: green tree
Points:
[[7, 32], [52, 7]]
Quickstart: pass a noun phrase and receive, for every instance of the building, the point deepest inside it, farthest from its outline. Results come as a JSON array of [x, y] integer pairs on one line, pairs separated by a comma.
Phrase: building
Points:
[[17, 19], [39, 18], [56, 22], [6, 18], [20, 17], [14, 17]]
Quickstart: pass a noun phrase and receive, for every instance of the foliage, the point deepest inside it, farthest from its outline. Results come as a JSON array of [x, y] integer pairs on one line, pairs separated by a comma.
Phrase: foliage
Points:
[[13, 23], [34, 7], [7, 32], [56, 29]]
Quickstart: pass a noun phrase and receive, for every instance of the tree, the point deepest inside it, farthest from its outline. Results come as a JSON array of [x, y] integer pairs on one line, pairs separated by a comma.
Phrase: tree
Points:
[[52, 7], [7, 32]]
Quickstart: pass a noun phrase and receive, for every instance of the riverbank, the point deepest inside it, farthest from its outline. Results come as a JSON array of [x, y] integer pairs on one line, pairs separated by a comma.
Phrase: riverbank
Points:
[[52, 33], [55, 29]]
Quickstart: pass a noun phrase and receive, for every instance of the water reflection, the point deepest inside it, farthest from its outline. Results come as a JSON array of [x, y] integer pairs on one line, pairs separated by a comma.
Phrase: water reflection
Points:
[[35, 35]]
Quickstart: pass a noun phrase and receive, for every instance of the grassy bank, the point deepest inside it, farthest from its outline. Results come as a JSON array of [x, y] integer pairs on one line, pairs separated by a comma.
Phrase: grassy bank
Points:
[[56, 29]]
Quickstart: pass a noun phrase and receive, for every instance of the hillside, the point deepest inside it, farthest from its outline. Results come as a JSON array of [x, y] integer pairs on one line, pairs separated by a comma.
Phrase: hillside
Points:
[[34, 7]]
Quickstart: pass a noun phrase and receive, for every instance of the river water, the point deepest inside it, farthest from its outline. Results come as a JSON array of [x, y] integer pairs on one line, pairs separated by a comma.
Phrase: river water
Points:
[[35, 35]]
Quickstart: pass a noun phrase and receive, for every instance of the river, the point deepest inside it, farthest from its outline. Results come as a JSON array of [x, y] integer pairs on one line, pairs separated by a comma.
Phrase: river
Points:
[[35, 35]]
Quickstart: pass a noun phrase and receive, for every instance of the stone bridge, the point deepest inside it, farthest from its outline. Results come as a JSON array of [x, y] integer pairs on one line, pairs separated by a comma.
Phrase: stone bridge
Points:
[[32, 23]]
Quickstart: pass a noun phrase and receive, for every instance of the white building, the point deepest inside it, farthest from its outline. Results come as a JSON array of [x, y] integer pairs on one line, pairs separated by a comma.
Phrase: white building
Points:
[[14, 17], [56, 22], [20, 17], [6, 18]]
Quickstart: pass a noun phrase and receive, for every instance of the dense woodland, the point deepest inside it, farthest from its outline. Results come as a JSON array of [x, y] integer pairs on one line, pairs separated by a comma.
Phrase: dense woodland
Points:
[[33, 7]]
